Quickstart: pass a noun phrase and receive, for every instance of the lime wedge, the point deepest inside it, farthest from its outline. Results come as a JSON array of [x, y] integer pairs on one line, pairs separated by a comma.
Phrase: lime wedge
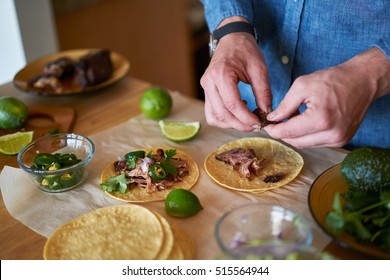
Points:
[[11, 144], [179, 131]]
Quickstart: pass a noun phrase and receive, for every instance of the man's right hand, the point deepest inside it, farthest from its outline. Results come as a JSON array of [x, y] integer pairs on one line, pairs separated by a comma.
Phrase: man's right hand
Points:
[[236, 58]]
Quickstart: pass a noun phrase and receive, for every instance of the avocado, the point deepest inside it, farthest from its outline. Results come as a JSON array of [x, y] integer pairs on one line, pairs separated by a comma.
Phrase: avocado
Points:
[[367, 169]]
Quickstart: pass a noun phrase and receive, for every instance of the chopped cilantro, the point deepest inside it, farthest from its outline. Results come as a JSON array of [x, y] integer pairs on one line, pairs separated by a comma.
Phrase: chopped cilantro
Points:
[[116, 184]]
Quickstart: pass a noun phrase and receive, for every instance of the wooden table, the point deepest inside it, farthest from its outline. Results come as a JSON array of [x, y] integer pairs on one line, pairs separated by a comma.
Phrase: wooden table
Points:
[[95, 112]]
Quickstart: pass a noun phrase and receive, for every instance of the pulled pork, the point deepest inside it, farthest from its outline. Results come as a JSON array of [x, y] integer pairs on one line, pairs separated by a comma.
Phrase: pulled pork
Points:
[[244, 161], [139, 175]]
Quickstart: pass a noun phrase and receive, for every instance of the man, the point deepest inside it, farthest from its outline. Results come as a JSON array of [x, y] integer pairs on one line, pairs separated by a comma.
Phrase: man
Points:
[[330, 59]]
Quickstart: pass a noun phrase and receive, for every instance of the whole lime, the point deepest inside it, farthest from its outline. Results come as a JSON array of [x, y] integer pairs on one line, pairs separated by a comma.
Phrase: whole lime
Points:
[[156, 103], [13, 113], [182, 203]]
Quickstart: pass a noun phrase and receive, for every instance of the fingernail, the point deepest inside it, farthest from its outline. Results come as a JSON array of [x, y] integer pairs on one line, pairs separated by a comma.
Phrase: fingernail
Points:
[[271, 116], [256, 128], [269, 110]]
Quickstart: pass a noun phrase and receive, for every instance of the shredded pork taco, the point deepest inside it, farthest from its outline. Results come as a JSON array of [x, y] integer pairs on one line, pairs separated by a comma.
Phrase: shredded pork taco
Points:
[[149, 175], [253, 164]]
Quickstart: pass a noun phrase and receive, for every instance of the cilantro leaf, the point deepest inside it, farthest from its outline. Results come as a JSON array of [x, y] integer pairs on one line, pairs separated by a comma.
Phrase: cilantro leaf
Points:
[[169, 167], [116, 184], [169, 154]]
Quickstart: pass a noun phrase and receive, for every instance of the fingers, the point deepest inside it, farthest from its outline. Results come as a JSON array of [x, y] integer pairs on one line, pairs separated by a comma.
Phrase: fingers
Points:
[[317, 140], [294, 127], [217, 114], [289, 105], [258, 78], [312, 128]]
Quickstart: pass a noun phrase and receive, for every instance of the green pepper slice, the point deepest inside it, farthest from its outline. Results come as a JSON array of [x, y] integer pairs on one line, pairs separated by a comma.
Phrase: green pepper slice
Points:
[[131, 158], [68, 159], [43, 160], [135, 154], [157, 172]]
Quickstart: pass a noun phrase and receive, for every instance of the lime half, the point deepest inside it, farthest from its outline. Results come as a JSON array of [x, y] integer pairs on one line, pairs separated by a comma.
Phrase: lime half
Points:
[[11, 144], [179, 131], [182, 203]]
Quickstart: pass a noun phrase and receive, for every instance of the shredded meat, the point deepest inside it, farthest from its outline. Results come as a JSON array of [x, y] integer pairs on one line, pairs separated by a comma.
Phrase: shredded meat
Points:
[[140, 177], [244, 161], [262, 117], [273, 178]]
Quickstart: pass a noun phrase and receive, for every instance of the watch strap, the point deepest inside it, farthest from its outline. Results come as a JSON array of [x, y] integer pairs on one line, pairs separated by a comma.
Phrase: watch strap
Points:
[[237, 26]]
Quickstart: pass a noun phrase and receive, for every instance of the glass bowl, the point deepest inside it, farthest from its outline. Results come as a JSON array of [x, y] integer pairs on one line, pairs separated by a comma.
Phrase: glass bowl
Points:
[[242, 230], [68, 170], [283, 251]]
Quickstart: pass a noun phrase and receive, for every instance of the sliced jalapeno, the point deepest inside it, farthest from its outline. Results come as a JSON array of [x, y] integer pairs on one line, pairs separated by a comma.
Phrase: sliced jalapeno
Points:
[[44, 160], [157, 172], [68, 159], [131, 158], [137, 154]]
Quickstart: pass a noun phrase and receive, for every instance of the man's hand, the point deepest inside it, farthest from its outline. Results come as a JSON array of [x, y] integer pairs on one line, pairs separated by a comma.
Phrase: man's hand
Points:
[[236, 58], [337, 99]]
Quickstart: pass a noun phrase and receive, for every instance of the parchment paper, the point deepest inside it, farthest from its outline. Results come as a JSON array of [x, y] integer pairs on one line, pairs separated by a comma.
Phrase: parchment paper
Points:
[[44, 212]]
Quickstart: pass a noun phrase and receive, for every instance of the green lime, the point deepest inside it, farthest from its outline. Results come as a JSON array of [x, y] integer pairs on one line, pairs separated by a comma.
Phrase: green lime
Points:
[[11, 144], [182, 203], [13, 113], [156, 103], [179, 131]]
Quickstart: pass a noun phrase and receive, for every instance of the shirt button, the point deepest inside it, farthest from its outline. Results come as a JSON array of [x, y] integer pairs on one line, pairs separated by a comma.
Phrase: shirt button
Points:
[[285, 59]]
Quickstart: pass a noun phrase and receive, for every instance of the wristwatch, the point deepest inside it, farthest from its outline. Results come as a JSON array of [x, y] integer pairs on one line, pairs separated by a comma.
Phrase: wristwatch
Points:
[[237, 26]]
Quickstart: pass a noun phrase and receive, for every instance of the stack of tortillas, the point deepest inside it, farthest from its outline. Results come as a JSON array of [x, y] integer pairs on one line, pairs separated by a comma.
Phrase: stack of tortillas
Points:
[[119, 232]]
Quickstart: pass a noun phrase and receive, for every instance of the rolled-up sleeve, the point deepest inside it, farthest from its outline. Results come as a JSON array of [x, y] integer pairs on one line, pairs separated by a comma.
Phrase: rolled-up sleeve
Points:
[[217, 10], [384, 46]]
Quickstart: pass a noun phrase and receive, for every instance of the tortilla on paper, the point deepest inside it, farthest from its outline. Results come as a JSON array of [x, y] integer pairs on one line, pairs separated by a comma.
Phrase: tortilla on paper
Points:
[[279, 159], [139, 195], [168, 240], [112, 233]]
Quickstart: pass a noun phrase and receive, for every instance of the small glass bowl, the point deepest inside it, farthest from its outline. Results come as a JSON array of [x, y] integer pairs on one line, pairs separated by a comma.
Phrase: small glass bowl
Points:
[[283, 251], [63, 179], [242, 230]]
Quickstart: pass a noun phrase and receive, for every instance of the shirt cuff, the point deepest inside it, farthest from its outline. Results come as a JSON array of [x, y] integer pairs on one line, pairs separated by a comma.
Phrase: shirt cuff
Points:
[[384, 47], [218, 10]]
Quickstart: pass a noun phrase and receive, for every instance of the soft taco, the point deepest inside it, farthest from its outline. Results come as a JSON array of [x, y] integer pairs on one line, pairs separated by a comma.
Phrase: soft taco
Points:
[[149, 175], [253, 164]]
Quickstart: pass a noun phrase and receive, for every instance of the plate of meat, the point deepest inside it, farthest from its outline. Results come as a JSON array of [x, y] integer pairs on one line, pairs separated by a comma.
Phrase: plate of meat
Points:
[[72, 72]]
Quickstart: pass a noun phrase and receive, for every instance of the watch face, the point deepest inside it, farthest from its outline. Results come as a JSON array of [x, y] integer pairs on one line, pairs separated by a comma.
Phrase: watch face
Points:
[[212, 45]]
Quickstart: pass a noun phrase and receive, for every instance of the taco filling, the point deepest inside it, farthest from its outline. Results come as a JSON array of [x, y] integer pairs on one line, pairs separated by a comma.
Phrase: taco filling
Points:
[[148, 175], [253, 164], [153, 172], [244, 161]]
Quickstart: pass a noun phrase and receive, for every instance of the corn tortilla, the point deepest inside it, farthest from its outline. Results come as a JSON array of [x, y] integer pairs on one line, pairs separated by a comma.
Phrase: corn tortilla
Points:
[[112, 233], [139, 195], [168, 239], [279, 158]]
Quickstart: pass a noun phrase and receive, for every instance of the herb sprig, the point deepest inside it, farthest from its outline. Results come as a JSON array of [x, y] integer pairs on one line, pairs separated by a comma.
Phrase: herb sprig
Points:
[[364, 215]]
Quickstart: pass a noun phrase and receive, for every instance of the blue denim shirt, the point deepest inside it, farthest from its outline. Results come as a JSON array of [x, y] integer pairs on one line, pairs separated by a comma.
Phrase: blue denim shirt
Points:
[[299, 37]]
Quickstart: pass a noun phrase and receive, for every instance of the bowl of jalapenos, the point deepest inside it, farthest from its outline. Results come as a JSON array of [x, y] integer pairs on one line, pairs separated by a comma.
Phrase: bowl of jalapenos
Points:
[[58, 162]]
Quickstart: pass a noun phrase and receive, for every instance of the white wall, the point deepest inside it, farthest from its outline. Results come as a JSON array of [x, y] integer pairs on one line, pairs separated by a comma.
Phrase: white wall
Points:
[[27, 32]]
